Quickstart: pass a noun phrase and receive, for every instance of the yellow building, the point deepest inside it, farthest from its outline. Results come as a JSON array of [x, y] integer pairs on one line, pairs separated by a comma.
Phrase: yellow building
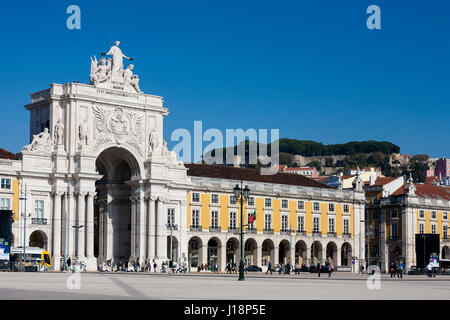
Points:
[[397, 211], [298, 220]]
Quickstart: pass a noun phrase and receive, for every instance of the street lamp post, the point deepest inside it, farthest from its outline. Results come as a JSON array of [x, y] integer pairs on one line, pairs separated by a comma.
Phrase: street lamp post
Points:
[[172, 227], [241, 193]]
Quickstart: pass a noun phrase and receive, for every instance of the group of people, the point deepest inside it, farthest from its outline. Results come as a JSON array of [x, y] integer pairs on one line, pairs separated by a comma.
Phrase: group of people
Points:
[[213, 267], [397, 269], [231, 267], [431, 270]]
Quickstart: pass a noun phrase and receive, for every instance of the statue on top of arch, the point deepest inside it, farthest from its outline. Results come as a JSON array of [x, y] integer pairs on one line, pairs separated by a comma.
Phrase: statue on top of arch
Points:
[[111, 72]]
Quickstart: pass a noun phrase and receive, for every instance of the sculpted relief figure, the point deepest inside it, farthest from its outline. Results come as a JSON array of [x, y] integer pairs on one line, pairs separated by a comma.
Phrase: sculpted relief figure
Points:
[[117, 57], [83, 133], [131, 79], [59, 133], [153, 141], [40, 141], [100, 71], [172, 155]]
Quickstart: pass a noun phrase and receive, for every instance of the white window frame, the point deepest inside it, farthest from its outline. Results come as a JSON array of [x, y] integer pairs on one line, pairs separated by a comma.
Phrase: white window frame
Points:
[[318, 206], [394, 231], [301, 223], [2, 203], [346, 208], [195, 197], [214, 219], [346, 226], [39, 209], [421, 228], [267, 218], [301, 205], [195, 218], [284, 223], [233, 200], [316, 218], [214, 196], [233, 220], [331, 225], [3, 183], [433, 228], [267, 201], [331, 207], [283, 202], [171, 216], [251, 201]]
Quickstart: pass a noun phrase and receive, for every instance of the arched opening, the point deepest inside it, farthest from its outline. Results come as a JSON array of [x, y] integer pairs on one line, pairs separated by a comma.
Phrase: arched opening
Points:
[[195, 252], [232, 251], [38, 239], [316, 253], [283, 253], [301, 253], [268, 252], [346, 254], [250, 252], [445, 252], [214, 247], [331, 253], [395, 254], [172, 254], [113, 225]]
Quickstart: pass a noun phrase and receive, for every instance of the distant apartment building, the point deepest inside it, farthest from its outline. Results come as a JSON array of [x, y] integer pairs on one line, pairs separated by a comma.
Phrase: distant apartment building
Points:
[[310, 172], [442, 168]]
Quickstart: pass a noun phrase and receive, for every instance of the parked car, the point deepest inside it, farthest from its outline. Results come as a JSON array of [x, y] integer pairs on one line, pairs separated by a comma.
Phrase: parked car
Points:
[[323, 269], [253, 268]]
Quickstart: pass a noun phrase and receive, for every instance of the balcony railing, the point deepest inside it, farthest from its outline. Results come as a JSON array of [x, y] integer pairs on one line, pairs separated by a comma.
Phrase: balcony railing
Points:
[[268, 231], [38, 221], [285, 231], [173, 227], [196, 228], [301, 232], [233, 229], [346, 235], [251, 230], [317, 233], [214, 229], [331, 234]]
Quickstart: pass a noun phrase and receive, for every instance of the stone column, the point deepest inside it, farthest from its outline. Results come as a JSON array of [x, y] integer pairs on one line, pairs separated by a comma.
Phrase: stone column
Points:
[[109, 234], [57, 232], [259, 256], [151, 228], [161, 240], [101, 229], [70, 215], [140, 210], [292, 252], [276, 251], [382, 236], [133, 229], [81, 221], [223, 257], [324, 254], [308, 259], [91, 261], [204, 258]]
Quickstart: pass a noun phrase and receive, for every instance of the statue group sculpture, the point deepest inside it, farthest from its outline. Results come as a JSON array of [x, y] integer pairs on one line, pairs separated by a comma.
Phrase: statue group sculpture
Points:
[[41, 141], [104, 71]]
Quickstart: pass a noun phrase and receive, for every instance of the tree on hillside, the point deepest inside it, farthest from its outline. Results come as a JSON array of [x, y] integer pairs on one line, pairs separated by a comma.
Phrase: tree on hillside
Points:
[[315, 164], [420, 158]]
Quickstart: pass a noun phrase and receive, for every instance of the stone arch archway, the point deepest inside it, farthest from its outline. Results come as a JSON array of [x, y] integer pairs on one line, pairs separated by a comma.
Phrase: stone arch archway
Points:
[[214, 248], [301, 253], [232, 251], [117, 225], [268, 252], [284, 252], [445, 254], [250, 252], [173, 255], [195, 252], [38, 239], [316, 253], [332, 254], [346, 254]]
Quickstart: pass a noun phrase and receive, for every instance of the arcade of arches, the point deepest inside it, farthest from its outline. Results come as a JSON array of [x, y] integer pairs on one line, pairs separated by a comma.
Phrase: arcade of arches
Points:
[[208, 251]]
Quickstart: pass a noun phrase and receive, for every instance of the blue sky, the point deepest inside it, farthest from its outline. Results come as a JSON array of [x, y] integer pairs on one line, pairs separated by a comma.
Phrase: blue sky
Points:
[[309, 68]]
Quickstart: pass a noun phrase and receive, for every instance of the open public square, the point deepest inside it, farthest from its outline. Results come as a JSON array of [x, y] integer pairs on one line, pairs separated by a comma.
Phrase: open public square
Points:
[[203, 286]]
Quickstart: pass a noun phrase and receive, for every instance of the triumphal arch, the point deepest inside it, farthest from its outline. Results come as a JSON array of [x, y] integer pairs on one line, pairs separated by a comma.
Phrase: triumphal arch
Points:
[[98, 158]]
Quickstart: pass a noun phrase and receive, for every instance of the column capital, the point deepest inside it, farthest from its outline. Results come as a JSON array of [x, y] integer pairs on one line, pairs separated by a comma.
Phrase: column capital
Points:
[[91, 193], [183, 202], [81, 193], [57, 193], [135, 198]]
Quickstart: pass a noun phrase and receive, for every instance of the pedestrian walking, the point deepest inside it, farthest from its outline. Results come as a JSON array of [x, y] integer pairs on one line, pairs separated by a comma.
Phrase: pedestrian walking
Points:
[[269, 268], [392, 270], [430, 270], [400, 271], [330, 269], [216, 268], [154, 266], [319, 266]]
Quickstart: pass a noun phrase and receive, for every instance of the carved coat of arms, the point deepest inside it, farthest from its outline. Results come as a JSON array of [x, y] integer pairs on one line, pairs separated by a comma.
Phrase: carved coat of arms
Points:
[[117, 125]]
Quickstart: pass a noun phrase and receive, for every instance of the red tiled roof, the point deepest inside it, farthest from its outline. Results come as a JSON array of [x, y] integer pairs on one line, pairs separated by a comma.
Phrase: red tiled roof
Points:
[[427, 191], [381, 181], [299, 169], [233, 173], [281, 167], [347, 176], [8, 155]]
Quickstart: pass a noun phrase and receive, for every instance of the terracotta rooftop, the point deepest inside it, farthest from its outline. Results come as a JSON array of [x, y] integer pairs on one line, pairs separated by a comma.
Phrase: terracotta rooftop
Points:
[[381, 181], [8, 155], [347, 176], [233, 173], [299, 169], [427, 191]]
